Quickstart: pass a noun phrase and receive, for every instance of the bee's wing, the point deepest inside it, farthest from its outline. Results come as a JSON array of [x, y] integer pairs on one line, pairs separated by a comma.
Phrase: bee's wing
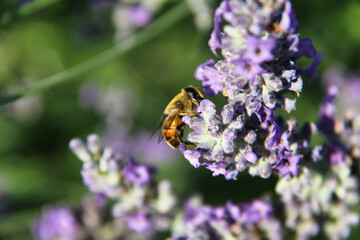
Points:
[[161, 136], [158, 129]]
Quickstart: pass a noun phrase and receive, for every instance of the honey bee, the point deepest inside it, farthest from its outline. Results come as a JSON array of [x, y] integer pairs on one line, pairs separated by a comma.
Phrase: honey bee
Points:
[[183, 104]]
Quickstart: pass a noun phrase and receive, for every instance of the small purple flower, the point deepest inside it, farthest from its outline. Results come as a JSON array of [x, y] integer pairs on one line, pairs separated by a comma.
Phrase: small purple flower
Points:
[[266, 116], [259, 50], [191, 156], [247, 69], [56, 223], [305, 48], [145, 205], [251, 157], [250, 137], [214, 137], [336, 155], [138, 222], [137, 173], [289, 105], [232, 221], [139, 15], [288, 163], [255, 211], [207, 128], [311, 70], [274, 138], [327, 111], [233, 210], [129, 16], [215, 39], [288, 19], [217, 167], [211, 78], [227, 113]]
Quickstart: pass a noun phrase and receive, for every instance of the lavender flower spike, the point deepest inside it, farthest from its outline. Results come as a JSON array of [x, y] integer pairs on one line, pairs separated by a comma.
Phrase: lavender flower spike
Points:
[[257, 71], [101, 167], [144, 205], [232, 221]]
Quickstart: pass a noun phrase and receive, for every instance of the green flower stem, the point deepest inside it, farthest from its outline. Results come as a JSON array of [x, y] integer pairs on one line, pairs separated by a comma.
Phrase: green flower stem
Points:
[[159, 25]]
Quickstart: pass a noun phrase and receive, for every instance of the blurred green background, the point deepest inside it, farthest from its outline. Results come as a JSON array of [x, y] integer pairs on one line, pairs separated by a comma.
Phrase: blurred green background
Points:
[[44, 37]]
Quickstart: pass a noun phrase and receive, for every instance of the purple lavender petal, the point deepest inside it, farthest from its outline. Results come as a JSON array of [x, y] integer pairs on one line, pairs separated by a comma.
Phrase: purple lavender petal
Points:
[[305, 48], [217, 152], [269, 97], [136, 173], [56, 223], [336, 155], [210, 77], [227, 142], [252, 106], [289, 104], [288, 20], [207, 107], [250, 137], [288, 164], [139, 15], [312, 69], [215, 39], [251, 157], [80, 150], [138, 222], [259, 50], [227, 113], [296, 85], [191, 156], [234, 210], [274, 137], [327, 111], [284, 141], [247, 69], [217, 167]]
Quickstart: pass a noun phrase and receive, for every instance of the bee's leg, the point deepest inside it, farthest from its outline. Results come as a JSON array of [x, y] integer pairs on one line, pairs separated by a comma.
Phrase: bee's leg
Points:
[[190, 144], [181, 126], [180, 130]]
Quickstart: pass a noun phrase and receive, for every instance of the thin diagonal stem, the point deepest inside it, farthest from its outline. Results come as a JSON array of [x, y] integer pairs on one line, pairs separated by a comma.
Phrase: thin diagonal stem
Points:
[[161, 24]]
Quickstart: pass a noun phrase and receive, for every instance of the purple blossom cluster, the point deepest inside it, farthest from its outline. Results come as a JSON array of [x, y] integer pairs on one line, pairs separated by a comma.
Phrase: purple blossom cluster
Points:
[[257, 74], [323, 196], [315, 202], [144, 205], [90, 221], [147, 206], [232, 221]]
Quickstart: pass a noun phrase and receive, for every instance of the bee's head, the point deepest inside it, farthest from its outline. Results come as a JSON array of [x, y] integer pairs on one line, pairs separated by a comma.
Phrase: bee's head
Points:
[[194, 93]]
